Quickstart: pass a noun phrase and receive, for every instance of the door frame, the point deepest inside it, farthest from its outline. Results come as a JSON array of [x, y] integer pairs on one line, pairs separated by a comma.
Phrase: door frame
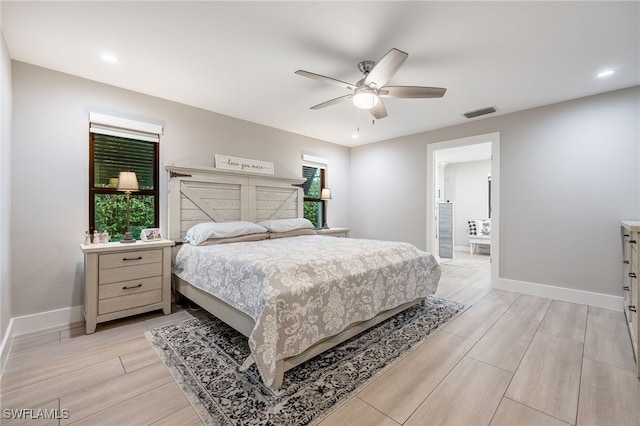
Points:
[[494, 138]]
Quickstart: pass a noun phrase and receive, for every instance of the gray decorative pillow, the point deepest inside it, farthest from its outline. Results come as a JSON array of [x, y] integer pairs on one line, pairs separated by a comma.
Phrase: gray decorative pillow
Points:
[[240, 239], [294, 233], [285, 225]]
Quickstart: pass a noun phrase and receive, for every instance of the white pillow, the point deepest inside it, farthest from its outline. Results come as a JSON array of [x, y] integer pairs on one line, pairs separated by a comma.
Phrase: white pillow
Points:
[[285, 225], [201, 232]]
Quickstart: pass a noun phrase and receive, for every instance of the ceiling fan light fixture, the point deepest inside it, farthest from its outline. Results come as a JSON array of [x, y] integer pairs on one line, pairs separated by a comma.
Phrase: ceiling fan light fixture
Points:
[[365, 98]]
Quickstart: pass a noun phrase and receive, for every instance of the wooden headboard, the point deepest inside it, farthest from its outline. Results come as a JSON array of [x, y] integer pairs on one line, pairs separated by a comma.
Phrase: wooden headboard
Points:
[[205, 194]]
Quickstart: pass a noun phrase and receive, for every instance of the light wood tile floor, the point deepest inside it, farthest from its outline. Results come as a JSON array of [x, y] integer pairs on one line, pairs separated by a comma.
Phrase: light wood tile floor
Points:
[[510, 359]]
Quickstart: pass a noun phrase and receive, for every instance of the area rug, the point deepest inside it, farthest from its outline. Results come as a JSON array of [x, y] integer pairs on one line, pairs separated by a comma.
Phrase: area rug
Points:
[[204, 355]]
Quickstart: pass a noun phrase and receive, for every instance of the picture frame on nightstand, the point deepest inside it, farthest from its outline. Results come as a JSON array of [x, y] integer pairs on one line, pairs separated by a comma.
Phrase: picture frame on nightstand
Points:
[[151, 234]]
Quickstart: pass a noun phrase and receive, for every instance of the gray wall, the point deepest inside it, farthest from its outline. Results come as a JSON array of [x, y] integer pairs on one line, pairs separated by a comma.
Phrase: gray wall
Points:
[[49, 201], [569, 173], [467, 186], [5, 189]]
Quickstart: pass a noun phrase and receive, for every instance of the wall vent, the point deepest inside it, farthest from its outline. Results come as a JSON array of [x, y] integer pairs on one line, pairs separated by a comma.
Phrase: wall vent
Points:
[[479, 112]]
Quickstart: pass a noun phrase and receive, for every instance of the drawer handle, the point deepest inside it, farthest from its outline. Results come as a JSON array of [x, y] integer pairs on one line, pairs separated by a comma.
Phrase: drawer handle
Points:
[[132, 286], [632, 274], [626, 235], [632, 308], [632, 241], [126, 259], [625, 288], [626, 262]]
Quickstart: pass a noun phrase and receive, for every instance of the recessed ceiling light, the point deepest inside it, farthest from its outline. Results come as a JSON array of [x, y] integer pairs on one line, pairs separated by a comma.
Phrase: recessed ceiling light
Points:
[[108, 57], [606, 73], [355, 135]]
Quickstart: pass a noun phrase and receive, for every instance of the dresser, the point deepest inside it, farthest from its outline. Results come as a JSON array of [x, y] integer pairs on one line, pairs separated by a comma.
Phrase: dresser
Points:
[[445, 230], [125, 279], [630, 232], [334, 232]]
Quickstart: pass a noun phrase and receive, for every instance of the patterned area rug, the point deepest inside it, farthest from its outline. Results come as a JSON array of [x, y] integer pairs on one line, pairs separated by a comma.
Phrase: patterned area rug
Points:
[[204, 356]]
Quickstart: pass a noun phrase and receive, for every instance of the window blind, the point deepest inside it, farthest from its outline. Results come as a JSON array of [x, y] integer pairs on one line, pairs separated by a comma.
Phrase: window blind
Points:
[[311, 160], [114, 154], [312, 169], [125, 128], [309, 173]]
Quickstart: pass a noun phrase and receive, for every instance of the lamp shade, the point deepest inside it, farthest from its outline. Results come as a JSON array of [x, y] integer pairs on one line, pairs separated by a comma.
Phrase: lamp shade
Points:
[[365, 99], [128, 181], [325, 194]]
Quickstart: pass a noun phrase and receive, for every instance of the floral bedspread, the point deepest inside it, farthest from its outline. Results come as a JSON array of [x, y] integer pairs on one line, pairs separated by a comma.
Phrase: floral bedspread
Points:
[[301, 290]]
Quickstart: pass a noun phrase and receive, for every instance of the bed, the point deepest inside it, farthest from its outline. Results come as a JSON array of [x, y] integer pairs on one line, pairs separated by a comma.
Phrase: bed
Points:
[[293, 297]]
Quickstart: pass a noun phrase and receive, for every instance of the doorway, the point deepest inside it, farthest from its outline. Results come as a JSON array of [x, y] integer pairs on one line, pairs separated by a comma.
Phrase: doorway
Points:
[[468, 149]]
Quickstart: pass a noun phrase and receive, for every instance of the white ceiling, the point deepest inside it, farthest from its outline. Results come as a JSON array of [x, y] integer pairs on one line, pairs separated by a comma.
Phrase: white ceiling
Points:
[[239, 58]]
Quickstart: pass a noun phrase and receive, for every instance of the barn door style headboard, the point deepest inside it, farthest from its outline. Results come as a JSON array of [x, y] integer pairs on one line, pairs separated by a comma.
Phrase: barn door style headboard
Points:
[[205, 194]]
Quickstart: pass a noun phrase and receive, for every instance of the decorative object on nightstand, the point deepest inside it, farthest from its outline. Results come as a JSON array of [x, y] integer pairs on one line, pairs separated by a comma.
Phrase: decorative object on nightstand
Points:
[[325, 194], [334, 232], [128, 183], [125, 279], [151, 234]]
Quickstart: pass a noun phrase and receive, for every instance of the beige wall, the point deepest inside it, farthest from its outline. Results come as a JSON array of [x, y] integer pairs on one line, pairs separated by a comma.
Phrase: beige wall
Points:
[[568, 173], [49, 201]]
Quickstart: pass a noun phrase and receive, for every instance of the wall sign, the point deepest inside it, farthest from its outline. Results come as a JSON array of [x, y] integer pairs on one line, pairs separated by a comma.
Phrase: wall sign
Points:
[[243, 164]]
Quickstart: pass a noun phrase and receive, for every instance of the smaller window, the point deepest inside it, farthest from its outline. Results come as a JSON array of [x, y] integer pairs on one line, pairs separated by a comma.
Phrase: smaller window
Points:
[[315, 209], [119, 144], [109, 155]]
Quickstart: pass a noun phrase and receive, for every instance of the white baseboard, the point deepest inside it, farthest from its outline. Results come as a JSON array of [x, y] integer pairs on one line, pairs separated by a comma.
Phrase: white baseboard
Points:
[[45, 320], [5, 346], [561, 293], [37, 322]]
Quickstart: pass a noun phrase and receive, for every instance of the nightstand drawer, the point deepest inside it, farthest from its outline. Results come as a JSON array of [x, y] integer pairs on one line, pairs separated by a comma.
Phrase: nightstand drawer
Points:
[[121, 303], [117, 260], [126, 288], [129, 273]]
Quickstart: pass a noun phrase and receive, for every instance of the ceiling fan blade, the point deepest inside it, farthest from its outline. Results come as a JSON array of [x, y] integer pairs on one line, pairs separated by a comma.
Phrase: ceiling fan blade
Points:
[[325, 79], [332, 102], [386, 68], [379, 111], [411, 92]]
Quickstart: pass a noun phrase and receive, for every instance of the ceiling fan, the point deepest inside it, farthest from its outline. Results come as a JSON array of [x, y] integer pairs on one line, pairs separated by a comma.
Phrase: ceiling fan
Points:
[[367, 93]]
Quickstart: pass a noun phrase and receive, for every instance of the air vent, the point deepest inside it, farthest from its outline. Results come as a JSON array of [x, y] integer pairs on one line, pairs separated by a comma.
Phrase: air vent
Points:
[[479, 112]]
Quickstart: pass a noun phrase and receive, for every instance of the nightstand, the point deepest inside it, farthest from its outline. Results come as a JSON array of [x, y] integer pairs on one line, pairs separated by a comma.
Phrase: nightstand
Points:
[[125, 279], [334, 232]]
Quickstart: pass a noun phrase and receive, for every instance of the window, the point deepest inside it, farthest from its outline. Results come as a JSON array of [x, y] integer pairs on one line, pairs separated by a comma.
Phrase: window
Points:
[[315, 209], [111, 152]]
